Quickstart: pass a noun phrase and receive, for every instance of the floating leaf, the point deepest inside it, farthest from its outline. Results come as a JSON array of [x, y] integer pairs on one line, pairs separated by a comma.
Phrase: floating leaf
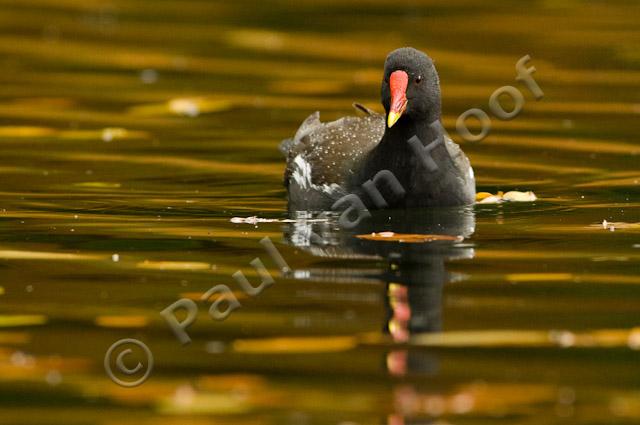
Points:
[[493, 199], [511, 196], [482, 195], [515, 196]]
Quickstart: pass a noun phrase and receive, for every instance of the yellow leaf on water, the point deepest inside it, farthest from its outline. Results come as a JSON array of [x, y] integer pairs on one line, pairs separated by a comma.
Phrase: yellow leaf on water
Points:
[[493, 199], [408, 237], [16, 320], [511, 196], [515, 196], [482, 195]]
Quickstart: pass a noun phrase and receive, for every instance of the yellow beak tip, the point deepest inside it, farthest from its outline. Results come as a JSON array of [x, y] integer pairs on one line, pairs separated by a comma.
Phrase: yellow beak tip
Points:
[[392, 118]]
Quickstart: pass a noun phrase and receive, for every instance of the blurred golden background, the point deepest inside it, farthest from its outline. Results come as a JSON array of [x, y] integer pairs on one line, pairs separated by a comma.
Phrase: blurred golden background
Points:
[[132, 131]]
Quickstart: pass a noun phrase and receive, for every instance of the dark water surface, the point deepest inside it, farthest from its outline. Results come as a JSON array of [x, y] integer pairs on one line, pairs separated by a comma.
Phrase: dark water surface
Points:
[[131, 132]]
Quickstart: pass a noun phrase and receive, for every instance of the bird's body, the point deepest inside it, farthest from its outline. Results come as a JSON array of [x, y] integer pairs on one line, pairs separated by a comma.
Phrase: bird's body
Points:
[[327, 161]]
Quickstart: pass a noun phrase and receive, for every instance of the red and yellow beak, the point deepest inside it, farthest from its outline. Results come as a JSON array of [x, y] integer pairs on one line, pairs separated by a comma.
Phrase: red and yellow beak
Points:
[[398, 84]]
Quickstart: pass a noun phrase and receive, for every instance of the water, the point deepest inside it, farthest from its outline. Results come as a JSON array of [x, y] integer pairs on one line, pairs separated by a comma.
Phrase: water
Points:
[[132, 132]]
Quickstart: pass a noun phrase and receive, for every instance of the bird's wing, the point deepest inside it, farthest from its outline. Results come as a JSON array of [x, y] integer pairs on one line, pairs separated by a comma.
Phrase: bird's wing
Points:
[[331, 149]]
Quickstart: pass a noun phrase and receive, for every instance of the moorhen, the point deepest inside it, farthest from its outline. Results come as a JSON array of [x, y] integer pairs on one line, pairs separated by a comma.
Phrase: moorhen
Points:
[[327, 161]]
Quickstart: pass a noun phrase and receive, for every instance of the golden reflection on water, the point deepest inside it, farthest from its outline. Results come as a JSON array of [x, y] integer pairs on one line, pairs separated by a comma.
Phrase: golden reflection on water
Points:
[[131, 132]]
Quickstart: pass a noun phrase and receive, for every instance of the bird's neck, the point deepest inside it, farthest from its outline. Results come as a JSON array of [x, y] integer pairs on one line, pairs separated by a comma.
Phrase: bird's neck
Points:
[[426, 130], [402, 154], [422, 167]]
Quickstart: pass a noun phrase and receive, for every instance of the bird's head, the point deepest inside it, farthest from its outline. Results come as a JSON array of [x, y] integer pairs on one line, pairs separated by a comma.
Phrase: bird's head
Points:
[[410, 87]]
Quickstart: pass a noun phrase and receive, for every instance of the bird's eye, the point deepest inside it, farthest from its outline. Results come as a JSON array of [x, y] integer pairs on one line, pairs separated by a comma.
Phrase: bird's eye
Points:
[[418, 79]]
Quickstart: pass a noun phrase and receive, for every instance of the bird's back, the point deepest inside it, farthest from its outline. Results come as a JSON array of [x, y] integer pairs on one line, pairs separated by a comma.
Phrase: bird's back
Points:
[[322, 157]]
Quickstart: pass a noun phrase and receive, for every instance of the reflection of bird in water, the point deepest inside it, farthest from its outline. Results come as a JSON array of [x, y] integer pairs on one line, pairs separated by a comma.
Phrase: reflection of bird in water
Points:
[[414, 299], [413, 305], [415, 272]]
